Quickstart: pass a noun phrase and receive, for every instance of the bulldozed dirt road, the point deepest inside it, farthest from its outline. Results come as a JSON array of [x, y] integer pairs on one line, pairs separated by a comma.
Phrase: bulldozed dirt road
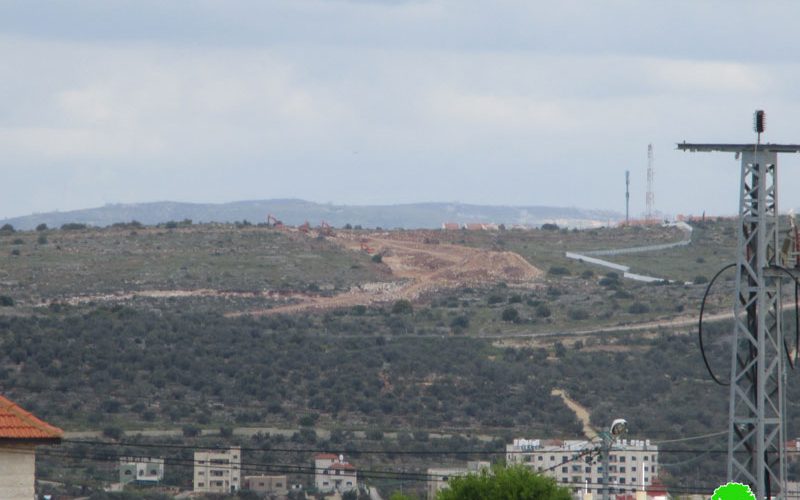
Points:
[[420, 267]]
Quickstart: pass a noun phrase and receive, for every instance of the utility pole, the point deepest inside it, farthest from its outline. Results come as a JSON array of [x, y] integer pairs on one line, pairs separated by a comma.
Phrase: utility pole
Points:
[[756, 421]]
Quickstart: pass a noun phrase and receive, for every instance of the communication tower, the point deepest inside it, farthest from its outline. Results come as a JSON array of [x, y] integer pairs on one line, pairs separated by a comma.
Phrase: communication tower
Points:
[[627, 197], [650, 197], [756, 418]]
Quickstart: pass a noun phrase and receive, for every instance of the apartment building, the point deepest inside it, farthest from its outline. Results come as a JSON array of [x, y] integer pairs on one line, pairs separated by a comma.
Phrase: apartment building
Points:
[[218, 471], [633, 464], [333, 473], [439, 477]]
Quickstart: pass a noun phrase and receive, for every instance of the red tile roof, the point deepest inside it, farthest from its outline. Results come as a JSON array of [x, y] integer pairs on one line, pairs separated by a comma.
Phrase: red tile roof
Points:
[[18, 424], [344, 466], [326, 456]]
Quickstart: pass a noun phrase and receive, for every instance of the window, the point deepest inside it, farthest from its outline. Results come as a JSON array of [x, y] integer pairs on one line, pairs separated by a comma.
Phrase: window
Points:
[[141, 472], [200, 485], [646, 468], [587, 470], [552, 458], [539, 458], [645, 458], [563, 459], [349, 483], [622, 469], [564, 469], [622, 458], [279, 485], [564, 480], [654, 469], [633, 458], [653, 458], [622, 480], [153, 472], [128, 472], [201, 473]]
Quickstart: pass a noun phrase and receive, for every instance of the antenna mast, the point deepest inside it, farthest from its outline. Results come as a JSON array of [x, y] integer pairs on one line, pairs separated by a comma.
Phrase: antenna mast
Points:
[[650, 195], [627, 197]]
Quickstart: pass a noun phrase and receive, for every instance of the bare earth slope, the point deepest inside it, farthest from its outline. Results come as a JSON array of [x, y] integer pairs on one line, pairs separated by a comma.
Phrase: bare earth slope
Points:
[[422, 268]]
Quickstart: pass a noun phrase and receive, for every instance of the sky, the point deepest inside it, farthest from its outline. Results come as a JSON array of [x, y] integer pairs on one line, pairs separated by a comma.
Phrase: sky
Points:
[[381, 102]]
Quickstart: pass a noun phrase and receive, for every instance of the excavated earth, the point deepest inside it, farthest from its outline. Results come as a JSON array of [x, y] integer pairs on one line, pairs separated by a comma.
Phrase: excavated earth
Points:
[[421, 266]]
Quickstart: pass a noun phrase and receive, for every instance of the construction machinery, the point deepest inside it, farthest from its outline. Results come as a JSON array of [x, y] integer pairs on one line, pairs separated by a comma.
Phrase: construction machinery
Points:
[[325, 229], [304, 228], [274, 222]]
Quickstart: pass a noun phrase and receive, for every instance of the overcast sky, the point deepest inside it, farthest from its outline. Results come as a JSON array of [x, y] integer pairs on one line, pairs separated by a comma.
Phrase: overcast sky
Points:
[[382, 102]]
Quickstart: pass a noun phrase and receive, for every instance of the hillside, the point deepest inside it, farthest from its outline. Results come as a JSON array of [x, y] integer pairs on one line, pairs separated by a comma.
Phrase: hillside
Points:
[[296, 212], [328, 339]]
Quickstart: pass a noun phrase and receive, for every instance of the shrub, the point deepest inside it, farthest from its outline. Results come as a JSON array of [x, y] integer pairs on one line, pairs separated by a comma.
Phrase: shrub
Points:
[[73, 226], [578, 314], [510, 314], [15, 252], [495, 299], [402, 306], [700, 279], [558, 271], [42, 239], [377, 258], [6, 228], [18, 241], [638, 308], [550, 227], [41, 227], [461, 321], [191, 430], [543, 311], [6, 301], [587, 274], [113, 432]]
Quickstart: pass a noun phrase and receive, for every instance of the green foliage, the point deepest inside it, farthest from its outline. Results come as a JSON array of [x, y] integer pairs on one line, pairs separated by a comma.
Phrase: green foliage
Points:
[[587, 274], [543, 311], [558, 271], [700, 279], [15, 252], [113, 432], [191, 430], [42, 239], [550, 227], [504, 483], [41, 227], [6, 301], [402, 306], [377, 258], [576, 314], [73, 226], [7, 228], [401, 496], [510, 314], [638, 308]]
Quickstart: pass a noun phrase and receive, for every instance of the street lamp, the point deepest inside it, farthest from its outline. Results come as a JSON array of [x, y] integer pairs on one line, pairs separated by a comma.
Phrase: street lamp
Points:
[[618, 428]]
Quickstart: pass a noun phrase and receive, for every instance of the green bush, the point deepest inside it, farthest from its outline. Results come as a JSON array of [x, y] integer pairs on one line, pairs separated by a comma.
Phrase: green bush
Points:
[[638, 308], [402, 306], [510, 314], [558, 271], [6, 301], [543, 311]]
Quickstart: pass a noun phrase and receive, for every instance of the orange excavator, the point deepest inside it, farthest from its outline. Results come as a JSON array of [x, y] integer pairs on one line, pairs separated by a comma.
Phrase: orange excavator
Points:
[[304, 228], [325, 229], [274, 222]]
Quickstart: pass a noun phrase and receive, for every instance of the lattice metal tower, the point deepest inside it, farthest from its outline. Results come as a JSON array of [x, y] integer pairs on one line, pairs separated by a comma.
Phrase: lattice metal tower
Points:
[[756, 428], [650, 197]]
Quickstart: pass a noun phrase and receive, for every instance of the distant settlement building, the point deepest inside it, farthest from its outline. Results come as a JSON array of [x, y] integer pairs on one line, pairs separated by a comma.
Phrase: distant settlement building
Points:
[[141, 470], [20, 433], [218, 471], [267, 485], [333, 473], [439, 477], [633, 464]]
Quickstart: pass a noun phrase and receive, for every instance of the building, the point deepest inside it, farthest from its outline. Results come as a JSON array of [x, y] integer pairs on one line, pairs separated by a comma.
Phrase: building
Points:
[[633, 464], [20, 433], [218, 471], [142, 470], [333, 473], [267, 485], [439, 477]]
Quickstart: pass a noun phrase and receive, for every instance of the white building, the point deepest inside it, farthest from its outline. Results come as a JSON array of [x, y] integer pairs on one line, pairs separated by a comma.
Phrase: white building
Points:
[[218, 471], [438, 477], [142, 470], [633, 464], [20, 433], [333, 473]]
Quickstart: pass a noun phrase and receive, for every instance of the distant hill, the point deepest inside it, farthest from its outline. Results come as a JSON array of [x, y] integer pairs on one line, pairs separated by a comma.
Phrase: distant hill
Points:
[[294, 212]]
